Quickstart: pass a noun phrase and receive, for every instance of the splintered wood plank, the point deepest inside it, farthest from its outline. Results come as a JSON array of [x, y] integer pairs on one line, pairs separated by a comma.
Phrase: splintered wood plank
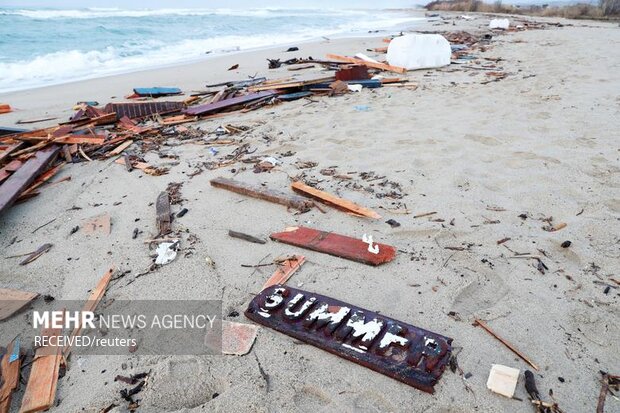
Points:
[[24, 176], [10, 376], [285, 270], [11, 301], [334, 201], [120, 148], [227, 103], [41, 388], [292, 201], [335, 244], [162, 209], [93, 301], [381, 66]]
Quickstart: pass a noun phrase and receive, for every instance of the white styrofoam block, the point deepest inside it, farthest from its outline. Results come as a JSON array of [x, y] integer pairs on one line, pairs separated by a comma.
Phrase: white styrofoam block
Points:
[[499, 24], [503, 380], [419, 51]]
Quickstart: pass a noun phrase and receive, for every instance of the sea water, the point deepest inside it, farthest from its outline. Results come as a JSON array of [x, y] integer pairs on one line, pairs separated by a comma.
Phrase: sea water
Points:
[[40, 47]]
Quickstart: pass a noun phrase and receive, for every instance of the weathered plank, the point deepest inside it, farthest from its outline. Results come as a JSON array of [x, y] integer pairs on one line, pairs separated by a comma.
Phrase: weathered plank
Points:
[[227, 103], [136, 110], [41, 388], [16, 183], [335, 244], [293, 201], [162, 209], [333, 200], [11, 301]]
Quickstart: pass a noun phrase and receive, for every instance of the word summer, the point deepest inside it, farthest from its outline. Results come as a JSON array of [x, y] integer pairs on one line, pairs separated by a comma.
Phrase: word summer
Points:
[[86, 319]]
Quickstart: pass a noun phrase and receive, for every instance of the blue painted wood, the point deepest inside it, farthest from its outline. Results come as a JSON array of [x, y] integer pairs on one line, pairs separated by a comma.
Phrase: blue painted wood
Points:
[[157, 91]]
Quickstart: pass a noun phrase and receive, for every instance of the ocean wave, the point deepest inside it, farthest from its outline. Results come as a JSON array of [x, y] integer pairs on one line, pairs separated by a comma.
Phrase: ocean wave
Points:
[[98, 12], [73, 65]]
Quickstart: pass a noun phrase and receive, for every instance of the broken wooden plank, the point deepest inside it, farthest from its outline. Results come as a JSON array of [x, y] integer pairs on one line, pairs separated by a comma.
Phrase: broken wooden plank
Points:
[[227, 103], [162, 208], [9, 168], [136, 110], [334, 201], [120, 148], [335, 244], [36, 254], [9, 367], [93, 301], [7, 147], [246, 237], [292, 84], [285, 270], [16, 183], [35, 120], [504, 342], [11, 301], [292, 201], [380, 66], [41, 388], [80, 139]]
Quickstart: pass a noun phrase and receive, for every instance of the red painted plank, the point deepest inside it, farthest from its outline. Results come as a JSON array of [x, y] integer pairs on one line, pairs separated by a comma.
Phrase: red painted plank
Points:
[[20, 180], [335, 244], [226, 103]]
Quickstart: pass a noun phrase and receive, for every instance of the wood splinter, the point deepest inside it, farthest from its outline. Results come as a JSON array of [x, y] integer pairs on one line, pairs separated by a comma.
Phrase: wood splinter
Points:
[[506, 343]]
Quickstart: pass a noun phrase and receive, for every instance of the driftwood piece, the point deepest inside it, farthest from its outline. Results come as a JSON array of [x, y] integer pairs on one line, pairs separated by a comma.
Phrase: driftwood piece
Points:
[[36, 254], [162, 208], [292, 201], [246, 237]]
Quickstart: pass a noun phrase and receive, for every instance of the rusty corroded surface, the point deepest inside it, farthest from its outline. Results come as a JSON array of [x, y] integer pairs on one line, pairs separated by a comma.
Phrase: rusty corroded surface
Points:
[[404, 352]]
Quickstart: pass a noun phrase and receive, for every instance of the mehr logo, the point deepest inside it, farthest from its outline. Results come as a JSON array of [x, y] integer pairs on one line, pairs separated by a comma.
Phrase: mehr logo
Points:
[[64, 319]]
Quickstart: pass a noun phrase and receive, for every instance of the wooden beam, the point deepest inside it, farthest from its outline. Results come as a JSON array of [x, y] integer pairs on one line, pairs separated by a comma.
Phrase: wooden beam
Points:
[[334, 201], [30, 170], [335, 244], [292, 201], [380, 66]]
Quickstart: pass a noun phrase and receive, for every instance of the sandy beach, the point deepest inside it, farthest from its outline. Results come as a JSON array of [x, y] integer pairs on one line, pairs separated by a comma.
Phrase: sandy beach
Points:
[[492, 160]]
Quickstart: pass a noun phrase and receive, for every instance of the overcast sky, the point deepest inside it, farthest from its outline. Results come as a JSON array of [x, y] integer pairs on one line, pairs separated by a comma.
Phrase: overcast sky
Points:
[[151, 4]]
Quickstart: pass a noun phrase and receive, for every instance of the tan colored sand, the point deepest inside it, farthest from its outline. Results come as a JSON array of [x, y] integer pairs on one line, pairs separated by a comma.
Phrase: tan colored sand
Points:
[[542, 142]]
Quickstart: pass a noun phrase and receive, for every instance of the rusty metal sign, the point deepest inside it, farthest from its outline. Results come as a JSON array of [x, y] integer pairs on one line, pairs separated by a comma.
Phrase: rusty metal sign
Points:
[[404, 352]]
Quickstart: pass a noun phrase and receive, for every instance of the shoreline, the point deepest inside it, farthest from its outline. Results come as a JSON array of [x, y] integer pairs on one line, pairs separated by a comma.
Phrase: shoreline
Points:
[[411, 19]]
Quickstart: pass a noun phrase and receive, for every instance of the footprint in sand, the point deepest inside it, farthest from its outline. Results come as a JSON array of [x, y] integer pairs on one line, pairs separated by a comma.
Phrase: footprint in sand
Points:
[[485, 140], [371, 402], [311, 399], [480, 295]]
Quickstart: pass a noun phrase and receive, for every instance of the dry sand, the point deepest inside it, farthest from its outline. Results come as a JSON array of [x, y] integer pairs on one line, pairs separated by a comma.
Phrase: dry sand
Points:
[[542, 142]]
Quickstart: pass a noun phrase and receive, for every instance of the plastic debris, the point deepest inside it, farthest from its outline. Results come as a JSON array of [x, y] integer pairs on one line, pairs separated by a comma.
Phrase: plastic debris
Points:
[[503, 380], [166, 253], [499, 24]]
